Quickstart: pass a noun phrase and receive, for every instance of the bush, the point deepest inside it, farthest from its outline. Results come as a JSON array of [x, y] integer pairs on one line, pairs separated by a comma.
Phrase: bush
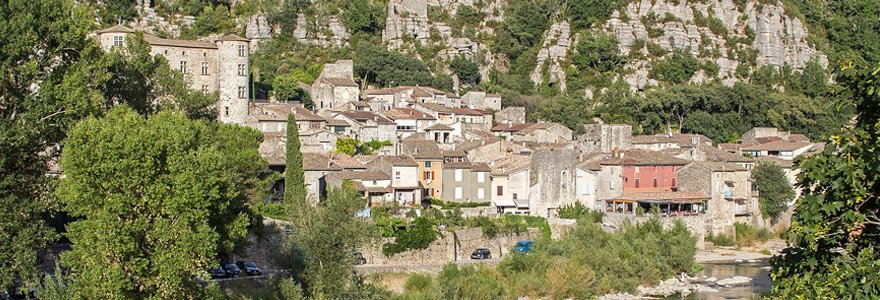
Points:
[[443, 204], [273, 210], [746, 236], [578, 211], [678, 68], [419, 236]]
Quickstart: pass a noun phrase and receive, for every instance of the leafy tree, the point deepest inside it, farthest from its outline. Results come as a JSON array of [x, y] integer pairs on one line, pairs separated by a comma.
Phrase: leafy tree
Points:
[[348, 146], [363, 16], [774, 187], [678, 68], [376, 64], [466, 17], [212, 19], [287, 89], [158, 205], [586, 13], [294, 176], [598, 52], [833, 239], [523, 27], [419, 236], [466, 70]]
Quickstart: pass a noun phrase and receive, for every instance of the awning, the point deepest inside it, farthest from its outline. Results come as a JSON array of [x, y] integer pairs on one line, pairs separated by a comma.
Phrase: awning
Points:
[[522, 203], [504, 203]]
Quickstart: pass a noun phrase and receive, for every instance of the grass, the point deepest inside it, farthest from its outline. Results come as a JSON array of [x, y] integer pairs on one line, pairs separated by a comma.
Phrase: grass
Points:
[[746, 236]]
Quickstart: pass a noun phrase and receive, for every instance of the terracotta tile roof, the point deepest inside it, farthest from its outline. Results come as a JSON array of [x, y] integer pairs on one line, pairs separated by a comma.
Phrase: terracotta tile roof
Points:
[[118, 28], [421, 149], [346, 162], [337, 122], [507, 127], [731, 147], [363, 116], [665, 197], [482, 134], [360, 175], [718, 155], [778, 146], [797, 137], [273, 148], [347, 82], [407, 114], [468, 112], [318, 162], [767, 139], [651, 139], [387, 91], [720, 166], [540, 126], [457, 165], [639, 157], [510, 164], [454, 153], [439, 126], [232, 38], [436, 107], [788, 164], [481, 167], [401, 161], [681, 139], [157, 41]]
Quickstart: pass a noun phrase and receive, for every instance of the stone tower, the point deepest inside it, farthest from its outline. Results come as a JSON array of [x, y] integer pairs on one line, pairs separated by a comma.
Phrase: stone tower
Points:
[[232, 59]]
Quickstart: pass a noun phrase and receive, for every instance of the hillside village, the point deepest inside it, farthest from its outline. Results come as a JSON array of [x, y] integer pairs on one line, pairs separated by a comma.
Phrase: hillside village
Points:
[[469, 149]]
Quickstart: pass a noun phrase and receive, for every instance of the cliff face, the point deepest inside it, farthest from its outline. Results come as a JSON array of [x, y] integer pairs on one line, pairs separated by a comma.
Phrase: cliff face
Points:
[[736, 38]]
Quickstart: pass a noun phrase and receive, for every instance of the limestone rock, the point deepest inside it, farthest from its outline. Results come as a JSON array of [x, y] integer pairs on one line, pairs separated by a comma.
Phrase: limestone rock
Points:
[[258, 28], [734, 281], [554, 51]]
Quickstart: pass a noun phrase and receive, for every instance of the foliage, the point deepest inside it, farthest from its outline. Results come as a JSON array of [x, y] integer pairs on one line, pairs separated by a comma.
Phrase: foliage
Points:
[[588, 13], [375, 64], [363, 16], [169, 188], [598, 52], [523, 27], [294, 176], [678, 68], [847, 28], [270, 209], [466, 17], [586, 263], [419, 236], [832, 240], [775, 191], [321, 240], [746, 236], [466, 70], [212, 19], [351, 146], [287, 89], [578, 211], [449, 205]]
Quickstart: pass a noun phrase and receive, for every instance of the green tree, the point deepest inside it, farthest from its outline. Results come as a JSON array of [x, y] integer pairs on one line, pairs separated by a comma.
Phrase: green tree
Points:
[[322, 241], [598, 52], [375, 64], [833, 239], [586, 13], [348, 146], [523, 27], [294, 176], [159, 204], [287, 89], [678, 68], [363, 16], [775, 190], [467, 70]]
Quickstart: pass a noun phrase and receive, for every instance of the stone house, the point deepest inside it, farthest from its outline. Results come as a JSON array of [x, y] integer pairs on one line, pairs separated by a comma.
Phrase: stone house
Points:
[[430, 165], [374, 185], [404, 173], [409, 120], [482, 100], [511, 183], [473, 119], [605, 138], [367, 126], [647, 171], [761, 135], [465, 181], [781, 149], [335, 87], [586, 183], [730, 188], [533, 132], [387, 98], [658, 142], [219, 66], [555, 179], [317, 141], [511, 115], [272, 117], [315, 167]]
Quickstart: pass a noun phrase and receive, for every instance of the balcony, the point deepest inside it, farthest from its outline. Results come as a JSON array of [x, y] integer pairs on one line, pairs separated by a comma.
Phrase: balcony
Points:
[[728, 195]]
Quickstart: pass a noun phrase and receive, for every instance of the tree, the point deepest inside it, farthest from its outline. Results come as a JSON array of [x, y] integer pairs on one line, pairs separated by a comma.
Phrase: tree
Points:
[[467, 70], [287, 89], [585, 13], [322, 240], [523, 27], [834, 236], [348, 146], [598, 52], [162, 200], [363, 16], [678, 68], [294, 178], [374, 63], [774, 188]]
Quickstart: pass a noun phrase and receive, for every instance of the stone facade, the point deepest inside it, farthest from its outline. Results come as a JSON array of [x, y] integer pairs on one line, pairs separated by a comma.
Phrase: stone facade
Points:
[[219, 66], [335, 87], [481, 100], [605, 138], [730, 188], [511, 115], [555, 173]]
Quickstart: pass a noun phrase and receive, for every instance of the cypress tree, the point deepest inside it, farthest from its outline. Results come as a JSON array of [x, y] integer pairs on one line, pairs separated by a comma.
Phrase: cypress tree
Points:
[[294, 180]]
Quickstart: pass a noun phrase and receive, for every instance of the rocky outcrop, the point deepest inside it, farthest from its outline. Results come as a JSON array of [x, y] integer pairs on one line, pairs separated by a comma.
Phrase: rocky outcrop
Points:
[[258, 28], [407, 19], [553, 52]]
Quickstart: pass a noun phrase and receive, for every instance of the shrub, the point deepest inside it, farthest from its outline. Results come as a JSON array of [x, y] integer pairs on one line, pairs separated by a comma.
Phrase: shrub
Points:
[[579, 211], [419, 236], [679, 68]]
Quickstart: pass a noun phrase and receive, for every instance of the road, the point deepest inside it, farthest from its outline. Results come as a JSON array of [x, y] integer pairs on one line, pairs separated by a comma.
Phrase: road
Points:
[[418, 268]]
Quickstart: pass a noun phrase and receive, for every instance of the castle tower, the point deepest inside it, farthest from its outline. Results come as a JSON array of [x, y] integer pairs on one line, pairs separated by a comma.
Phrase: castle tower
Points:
[[232, 79]]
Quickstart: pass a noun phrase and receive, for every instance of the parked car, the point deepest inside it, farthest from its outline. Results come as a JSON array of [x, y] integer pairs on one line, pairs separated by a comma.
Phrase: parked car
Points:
[[249, 268], [523, 247], [231, 270], [217, 272], [358, 258], [481, 253]]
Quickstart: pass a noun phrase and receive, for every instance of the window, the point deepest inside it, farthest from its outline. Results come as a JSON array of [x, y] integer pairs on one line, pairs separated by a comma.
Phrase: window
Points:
[[785, 154], [204, 68], [458, 175], [637, 182], [499, 190], [397, 175], [242, 92], [481, 176], [242, 70], [242, 51], [204, 88], [429, 175], [458, 192], [514, 196], [118, 40], [427, 164], [226, 110], [637, 170], [587, 190], [673, 182], [655, 182], [481, 193], [183, 67]]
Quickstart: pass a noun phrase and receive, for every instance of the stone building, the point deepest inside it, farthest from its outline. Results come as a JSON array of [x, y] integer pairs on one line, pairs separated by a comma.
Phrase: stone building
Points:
[[555, 176], [430, 165], [533, 132], [219, 66], [335, 87], [482, 100], [511, 183], [730, 189], [511, 115], [605, 138], [464, 181], [403, 171]]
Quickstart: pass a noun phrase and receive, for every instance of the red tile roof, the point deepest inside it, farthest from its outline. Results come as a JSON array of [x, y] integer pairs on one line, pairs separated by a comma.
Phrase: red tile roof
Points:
[[665, 197]]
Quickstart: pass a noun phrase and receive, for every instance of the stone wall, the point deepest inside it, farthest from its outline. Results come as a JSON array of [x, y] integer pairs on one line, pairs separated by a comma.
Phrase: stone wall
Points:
[[449, 247], [560, 227], [555, 173], [605, 138], [512, 115]]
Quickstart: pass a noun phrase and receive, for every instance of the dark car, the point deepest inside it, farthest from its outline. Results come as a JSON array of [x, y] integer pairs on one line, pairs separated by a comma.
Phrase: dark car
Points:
[[217, 272], [358, 258], [231, 270], [249, 268], [481, 253]]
